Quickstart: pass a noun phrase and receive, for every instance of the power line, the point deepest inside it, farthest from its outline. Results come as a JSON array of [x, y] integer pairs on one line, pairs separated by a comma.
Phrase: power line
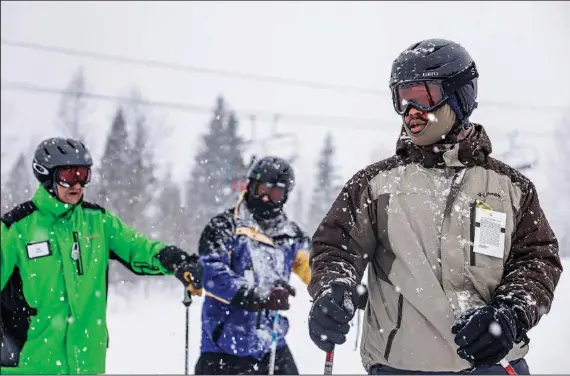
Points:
[[191, 68], [246, 76], [305, 119], [299, 119]]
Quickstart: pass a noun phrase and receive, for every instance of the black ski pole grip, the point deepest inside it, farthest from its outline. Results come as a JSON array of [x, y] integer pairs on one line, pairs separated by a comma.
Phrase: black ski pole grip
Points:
[[187, 298]]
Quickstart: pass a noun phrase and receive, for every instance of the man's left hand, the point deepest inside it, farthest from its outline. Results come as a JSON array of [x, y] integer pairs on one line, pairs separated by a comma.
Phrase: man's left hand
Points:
[[189, 272], [486, 335]]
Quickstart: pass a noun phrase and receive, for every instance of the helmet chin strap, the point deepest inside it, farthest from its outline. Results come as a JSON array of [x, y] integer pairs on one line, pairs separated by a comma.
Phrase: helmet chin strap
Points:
[[53, 190]]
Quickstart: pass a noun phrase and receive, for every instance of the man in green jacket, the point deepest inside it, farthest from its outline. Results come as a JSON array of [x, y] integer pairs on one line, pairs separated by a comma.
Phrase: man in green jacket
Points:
[[54, 258]]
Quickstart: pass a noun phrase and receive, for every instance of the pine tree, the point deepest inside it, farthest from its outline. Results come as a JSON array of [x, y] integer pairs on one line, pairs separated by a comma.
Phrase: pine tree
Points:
[[217, 166], [17, 189], [170, 215], [327, 186], [114, 174], [73, 108], [142, 181]]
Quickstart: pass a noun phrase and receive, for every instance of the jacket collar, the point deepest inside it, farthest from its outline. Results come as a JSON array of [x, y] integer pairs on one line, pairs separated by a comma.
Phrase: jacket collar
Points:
[[472, 151], [279, 226], [47, 203]]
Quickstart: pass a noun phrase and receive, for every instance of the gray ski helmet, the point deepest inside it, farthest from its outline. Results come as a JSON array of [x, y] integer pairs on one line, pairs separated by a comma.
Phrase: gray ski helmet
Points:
[[439, 60], [274, 170], [58, 152]]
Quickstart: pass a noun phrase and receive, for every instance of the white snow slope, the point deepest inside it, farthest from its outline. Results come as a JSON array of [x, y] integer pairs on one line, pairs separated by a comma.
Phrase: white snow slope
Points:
[[147, 332]]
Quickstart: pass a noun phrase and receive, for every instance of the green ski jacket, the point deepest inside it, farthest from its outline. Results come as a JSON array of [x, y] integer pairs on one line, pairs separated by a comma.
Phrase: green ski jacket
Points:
[[55, 256]]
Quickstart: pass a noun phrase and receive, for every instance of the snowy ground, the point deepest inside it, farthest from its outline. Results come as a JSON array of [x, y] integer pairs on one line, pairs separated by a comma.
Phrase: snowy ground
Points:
[[147, 333]]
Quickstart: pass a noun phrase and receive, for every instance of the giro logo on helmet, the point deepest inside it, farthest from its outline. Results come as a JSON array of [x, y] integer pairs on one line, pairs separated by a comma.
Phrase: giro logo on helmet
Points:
[[39, 168]]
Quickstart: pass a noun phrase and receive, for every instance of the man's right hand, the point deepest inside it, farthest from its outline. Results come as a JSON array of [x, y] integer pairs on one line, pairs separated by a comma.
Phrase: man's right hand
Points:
[[277, 300], [330, 315]]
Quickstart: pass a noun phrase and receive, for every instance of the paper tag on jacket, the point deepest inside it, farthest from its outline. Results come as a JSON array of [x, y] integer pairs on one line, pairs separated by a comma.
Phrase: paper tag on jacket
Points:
[[36, 250], [489, 232]]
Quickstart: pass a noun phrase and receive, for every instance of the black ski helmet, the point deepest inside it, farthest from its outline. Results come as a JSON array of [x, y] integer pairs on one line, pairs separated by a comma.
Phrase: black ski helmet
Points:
[[58, 152], [439, 60], [276, 171], [273, 170]]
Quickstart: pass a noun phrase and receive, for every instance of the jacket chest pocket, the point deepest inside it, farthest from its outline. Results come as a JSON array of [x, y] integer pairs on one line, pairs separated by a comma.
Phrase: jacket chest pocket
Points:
[[490, 229], [88, 251]]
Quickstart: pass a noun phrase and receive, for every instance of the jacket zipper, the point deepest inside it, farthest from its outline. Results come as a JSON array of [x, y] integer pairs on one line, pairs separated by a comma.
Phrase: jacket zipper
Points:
[[76, 253], [455, 187], [472, 235], [394, 331]]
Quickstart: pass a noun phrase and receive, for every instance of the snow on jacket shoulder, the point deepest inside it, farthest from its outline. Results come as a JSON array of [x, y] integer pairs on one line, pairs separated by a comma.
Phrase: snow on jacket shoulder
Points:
[[235, 253], [413, 218]]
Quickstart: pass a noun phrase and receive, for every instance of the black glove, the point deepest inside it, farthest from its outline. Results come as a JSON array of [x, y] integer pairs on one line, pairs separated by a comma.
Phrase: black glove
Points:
[[362, 296], [330, 315], [190, 274], [277, 300], [485, 335], [185, 267]]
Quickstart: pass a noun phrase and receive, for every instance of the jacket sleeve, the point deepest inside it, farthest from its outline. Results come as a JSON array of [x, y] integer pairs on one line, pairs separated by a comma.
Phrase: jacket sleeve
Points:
[[533, 267], [345, 239], [132, 249], [301, 263], [215, 248], [8, 258]]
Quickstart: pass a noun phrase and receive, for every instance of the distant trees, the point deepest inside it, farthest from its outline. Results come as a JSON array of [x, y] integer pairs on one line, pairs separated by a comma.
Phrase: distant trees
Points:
[[327, 184], [17, 188], [217, 165], [73, 108]]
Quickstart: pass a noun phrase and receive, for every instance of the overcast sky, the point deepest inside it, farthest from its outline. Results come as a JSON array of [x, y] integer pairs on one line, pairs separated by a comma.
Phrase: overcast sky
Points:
[[521, 49]]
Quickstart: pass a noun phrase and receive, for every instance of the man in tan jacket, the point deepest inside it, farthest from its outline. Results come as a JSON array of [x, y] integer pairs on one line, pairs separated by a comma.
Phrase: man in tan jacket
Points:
[[462, 261]]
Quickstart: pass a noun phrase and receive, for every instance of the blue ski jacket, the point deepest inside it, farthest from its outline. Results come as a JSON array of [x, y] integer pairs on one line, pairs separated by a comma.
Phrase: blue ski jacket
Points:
[[235, 253]]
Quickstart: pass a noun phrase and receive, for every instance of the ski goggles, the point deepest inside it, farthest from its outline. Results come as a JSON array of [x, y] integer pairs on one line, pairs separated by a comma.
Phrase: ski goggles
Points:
[[424, 96], [69, 176], [275, 192], [428, 95]]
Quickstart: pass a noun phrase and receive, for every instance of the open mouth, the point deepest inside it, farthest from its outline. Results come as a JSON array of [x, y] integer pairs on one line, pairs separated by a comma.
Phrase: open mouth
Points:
[[416, 126], [74, 194]]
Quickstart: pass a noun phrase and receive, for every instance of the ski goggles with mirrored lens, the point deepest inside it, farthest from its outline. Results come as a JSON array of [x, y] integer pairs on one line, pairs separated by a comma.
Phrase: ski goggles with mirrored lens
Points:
[[424, 96], [274, 192], [428, 95], [69, 176]]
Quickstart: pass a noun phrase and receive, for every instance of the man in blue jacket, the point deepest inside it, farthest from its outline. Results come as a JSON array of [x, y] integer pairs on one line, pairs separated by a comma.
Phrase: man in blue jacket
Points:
[[248, 253]]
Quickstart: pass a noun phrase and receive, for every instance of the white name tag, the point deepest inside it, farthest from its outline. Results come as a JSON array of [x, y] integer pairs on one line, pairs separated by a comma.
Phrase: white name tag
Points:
[[489, 232], [40, 249]]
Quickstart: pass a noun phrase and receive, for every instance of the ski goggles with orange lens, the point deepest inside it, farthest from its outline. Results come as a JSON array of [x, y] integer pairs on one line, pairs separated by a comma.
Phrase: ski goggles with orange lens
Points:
[[428, 95], [69, 176], [274, 192]]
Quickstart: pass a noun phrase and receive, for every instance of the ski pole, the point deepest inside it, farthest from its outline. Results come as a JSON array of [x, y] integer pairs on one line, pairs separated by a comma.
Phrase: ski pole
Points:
[[329, 363], [187, 301], [357, 329], [274, 344], [508, 368]]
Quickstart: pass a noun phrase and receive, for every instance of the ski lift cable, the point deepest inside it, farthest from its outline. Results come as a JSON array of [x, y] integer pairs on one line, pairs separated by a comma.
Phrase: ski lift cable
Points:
[[305, 119], [291, 118], [242, 75]]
